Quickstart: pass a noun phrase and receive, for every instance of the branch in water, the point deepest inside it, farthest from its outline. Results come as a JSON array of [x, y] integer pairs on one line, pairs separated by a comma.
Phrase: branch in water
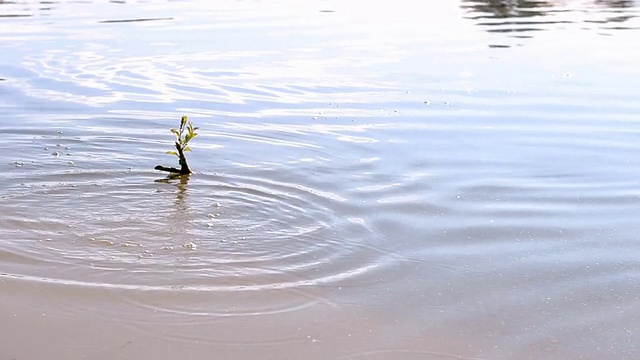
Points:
[[168, 169], [181, 145], [184, 167]]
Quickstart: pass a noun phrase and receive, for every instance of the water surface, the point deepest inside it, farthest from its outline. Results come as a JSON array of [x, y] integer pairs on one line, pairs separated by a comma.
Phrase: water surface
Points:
[[457, 181]]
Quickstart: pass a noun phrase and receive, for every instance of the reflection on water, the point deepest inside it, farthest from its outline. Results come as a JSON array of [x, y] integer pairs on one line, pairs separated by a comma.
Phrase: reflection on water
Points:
[[616, 3], [181, 181], [18, 9], [521, 19], [506, 9]]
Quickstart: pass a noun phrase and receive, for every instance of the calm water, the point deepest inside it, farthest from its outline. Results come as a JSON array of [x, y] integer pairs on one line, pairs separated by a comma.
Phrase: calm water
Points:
[[449, 180]]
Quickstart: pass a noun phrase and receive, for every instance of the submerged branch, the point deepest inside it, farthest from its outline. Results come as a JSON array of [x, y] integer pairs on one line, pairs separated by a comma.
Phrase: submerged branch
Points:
[[184, 167], [168, 169]]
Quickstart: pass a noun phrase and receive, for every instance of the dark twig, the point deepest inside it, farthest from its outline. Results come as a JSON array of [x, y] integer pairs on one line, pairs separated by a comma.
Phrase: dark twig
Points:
[[184, 166], [181, 146]]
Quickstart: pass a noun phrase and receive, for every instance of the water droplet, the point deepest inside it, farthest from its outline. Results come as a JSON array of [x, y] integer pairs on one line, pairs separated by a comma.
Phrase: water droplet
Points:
[[190, 245]]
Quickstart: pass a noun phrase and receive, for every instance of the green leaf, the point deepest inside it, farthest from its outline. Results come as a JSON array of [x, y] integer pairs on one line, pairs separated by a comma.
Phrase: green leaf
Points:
[[172, 153], [186, 148]]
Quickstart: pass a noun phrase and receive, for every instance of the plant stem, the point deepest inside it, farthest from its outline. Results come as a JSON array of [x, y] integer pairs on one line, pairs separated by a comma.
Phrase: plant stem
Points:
[[181, 146], [184, 167]]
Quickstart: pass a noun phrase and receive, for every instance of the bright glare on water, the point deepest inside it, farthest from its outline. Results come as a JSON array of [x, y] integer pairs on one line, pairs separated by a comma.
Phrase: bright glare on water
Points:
[[398, 180]]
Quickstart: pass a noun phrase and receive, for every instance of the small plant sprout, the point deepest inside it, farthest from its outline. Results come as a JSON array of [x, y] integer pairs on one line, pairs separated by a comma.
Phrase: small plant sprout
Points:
[[184, 134]]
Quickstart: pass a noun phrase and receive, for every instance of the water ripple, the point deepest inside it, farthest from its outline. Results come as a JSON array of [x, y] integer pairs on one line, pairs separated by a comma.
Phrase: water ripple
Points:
[[129, 231]]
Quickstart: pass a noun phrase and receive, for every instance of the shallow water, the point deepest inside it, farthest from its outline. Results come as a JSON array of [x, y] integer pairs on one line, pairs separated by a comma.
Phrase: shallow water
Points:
[[458, 181]]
